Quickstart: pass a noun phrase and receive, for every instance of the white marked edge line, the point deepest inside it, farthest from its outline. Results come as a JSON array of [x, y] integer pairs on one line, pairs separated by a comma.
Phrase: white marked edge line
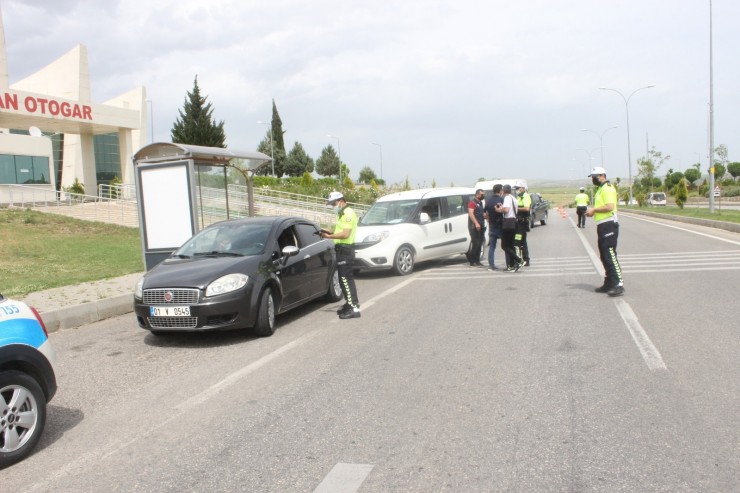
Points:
[[344, 478], [685, 229], [650, 353], [590, 251]]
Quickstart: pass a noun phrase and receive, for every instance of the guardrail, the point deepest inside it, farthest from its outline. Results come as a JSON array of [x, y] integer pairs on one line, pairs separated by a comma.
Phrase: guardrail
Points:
[[117, 204], [81, 206]]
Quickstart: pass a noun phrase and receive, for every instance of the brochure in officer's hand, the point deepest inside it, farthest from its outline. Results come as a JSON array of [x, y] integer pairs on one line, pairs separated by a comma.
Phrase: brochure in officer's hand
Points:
[[325, 231]]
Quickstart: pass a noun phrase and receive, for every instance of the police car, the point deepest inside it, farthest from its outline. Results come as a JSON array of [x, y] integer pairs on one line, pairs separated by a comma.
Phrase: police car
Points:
[[27, 379]]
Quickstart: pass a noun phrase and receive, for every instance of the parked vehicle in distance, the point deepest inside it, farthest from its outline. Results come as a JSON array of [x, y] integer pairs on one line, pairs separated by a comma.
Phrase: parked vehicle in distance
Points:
[[238, 274], [27, 379], [656, 198], [538, 210], [404, 228]]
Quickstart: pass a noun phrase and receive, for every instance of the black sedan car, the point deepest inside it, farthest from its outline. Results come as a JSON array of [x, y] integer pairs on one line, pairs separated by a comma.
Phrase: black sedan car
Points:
[[538, 210], [238, 274]]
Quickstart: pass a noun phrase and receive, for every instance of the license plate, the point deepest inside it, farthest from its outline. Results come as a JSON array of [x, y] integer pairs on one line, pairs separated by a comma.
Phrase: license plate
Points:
[[169, 311]]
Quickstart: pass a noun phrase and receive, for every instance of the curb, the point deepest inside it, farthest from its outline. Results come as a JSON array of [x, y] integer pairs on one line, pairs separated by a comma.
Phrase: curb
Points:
[[86, 313]]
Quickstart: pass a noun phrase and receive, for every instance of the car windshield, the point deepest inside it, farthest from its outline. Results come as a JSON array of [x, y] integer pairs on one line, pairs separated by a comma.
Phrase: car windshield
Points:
[[658, 196], [226, 239], [390, 212]]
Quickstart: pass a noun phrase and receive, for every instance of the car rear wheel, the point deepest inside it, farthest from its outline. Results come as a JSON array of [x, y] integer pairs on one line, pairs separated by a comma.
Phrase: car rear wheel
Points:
[[22, 416], [334, 292], [265, 325], [403, 263]]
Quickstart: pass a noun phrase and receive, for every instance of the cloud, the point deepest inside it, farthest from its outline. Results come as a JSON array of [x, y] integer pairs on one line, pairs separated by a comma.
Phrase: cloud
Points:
[[453, 90]]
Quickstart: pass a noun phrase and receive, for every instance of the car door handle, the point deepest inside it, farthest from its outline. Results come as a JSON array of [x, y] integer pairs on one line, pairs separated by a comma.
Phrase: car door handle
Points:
[[306, 257]]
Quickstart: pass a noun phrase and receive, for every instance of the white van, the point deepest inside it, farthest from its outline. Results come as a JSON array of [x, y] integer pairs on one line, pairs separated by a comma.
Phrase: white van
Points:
[[487, 185], [404, 228], [656, 198]]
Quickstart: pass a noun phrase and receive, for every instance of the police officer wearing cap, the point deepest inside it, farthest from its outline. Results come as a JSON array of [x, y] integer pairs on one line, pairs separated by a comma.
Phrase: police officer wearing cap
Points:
[[582, 201], [523, 211], [344, 244], [604, 213]]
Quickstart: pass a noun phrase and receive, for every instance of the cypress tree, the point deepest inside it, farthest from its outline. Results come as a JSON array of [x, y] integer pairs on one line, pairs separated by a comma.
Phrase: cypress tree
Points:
[[196, 125]]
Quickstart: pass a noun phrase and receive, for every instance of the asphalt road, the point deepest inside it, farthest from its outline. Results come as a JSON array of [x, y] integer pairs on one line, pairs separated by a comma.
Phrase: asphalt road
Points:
[[454, 379]]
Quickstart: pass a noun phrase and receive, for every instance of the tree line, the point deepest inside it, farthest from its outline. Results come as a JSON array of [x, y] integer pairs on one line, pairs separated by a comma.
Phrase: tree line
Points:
[[196, 125]]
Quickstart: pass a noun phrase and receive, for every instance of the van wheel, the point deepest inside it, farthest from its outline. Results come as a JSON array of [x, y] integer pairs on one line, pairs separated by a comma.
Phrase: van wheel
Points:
[[403, 262], [265, 325], [543, 221]]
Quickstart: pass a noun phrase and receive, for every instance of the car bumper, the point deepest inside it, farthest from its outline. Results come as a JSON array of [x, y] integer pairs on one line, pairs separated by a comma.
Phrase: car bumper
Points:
[[224, 312]]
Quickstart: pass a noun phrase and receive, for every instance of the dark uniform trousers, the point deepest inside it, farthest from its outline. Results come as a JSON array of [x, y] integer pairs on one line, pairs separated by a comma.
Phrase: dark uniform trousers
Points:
[[345, 269], [608, 234]]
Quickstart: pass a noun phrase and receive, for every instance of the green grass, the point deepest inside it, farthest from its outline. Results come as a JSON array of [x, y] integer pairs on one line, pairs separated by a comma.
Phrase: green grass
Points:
[[41, 251], [726, 215]]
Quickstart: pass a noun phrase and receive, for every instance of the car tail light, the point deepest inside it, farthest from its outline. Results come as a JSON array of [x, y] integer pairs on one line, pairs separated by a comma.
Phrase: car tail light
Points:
[[38, 317]]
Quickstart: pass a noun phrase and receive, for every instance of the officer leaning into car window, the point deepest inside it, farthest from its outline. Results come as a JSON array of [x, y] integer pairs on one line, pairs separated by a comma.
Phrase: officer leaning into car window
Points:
[[524, 204], [344, 244], [604, 213]]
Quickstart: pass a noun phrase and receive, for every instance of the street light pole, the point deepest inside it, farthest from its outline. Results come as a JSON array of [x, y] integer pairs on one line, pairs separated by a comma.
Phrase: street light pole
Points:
[[601, 139], [339, 155], [587, 151], [627, 108], [380, 148], [272, 149], [151, 117]]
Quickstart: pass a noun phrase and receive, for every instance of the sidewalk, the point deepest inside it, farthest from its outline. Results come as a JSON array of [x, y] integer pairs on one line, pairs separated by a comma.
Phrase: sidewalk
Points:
[[72, 306]]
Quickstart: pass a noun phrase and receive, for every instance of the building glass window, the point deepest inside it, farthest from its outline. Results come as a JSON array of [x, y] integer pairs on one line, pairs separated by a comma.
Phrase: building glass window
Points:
[[107, 157], [7, 169], [41, 170], [24, 170]]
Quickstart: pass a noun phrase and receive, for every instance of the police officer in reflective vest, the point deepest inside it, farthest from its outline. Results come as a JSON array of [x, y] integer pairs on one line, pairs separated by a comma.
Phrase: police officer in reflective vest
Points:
[[582, 201], [344, 244], [524, 204], [604, 213]]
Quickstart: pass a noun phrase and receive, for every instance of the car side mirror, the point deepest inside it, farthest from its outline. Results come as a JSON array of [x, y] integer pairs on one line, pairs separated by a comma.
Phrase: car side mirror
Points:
[[424, 218], [290, 251]]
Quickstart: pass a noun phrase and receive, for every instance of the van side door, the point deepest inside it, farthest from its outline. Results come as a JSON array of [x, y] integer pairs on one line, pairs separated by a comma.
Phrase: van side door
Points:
[[450, 234]]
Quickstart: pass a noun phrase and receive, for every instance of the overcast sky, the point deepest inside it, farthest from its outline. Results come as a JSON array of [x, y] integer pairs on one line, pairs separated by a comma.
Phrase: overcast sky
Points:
[[451, 90]]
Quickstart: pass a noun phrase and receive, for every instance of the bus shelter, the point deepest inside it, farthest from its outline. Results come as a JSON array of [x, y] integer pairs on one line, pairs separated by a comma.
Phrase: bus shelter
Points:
[[183, 188]]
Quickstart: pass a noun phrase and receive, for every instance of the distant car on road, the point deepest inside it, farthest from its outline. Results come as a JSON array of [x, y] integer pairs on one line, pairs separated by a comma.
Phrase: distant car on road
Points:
[[656, 198], [27, 379], [538, 210], [238, 274]]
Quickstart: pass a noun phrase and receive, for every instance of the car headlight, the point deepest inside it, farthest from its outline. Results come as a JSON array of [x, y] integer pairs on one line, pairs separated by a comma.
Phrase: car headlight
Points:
[[226, 284], [376, 237], [139, 289]]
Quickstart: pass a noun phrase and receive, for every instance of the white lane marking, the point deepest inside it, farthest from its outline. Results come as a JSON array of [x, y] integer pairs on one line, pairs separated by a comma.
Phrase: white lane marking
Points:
[[595, 260], [401, 285], [685, 229], [344, 478], [649, 352], [243, 372]]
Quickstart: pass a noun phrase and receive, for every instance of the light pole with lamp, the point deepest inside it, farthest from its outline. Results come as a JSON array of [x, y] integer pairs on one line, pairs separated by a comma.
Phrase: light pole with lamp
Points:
[[380, 148], [587, 151], [339, 156], [601, 139], [272, 149], [627, 108], [151, 118]]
